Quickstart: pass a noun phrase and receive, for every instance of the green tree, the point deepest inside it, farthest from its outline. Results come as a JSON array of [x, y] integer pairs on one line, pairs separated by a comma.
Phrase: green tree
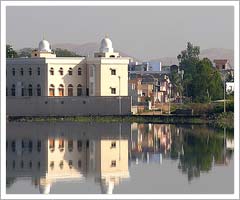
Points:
[[25, 52], [188, 60], [201, 81], [176, 81], [65, 53], [10, 52], [207, 84]]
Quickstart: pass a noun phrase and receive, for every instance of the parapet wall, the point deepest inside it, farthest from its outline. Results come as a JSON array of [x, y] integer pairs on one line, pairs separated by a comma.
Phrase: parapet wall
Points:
[[68, 106]]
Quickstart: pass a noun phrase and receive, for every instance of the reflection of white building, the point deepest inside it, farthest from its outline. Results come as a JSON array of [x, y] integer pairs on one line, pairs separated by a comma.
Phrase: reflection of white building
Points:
[[57, 155], [44, 74]]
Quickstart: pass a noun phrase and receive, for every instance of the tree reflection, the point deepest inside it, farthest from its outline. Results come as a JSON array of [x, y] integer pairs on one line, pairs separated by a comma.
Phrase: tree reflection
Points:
[[200, 152]]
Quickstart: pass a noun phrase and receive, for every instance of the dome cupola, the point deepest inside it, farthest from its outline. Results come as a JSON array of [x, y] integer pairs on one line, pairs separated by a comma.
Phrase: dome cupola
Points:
[[44, 46], [106, 45]]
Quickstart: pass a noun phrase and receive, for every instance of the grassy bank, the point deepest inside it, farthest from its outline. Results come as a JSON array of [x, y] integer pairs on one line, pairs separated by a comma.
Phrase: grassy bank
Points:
[[223, 120], [109, 119]]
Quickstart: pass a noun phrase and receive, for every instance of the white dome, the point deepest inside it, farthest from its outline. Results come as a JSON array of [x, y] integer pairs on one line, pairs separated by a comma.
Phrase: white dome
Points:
[[107, 187], [106, 45], [44, 46], [44, 189]]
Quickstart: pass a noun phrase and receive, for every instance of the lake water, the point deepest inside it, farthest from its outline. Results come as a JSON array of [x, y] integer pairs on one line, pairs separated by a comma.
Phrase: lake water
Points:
[[118, 158]]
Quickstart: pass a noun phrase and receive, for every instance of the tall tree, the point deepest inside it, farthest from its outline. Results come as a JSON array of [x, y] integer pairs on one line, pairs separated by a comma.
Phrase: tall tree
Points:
[[188, 60], [10, 52], [207, 84]]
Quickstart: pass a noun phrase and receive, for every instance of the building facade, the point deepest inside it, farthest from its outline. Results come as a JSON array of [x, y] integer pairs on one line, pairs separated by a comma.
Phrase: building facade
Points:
[[44, 74]]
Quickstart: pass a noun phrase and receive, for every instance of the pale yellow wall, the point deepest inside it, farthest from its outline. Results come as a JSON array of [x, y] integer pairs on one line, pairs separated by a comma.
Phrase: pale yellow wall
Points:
[[66, 79], [57, 156], [103, 80], [120, 154]]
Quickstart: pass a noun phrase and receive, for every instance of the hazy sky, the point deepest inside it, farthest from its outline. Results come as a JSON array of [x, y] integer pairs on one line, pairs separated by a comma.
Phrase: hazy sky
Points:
[[142, 32]]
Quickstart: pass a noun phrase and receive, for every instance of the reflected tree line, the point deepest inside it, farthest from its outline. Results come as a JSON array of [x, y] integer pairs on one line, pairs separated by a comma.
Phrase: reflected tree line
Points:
[[199, 150], [196, 148]]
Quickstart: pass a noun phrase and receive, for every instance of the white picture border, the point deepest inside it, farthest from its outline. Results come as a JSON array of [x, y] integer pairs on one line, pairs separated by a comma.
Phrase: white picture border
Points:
[[4, 4]]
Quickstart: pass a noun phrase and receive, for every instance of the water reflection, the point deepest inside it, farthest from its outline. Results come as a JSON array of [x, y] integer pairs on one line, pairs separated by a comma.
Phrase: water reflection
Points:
[[56, 152]]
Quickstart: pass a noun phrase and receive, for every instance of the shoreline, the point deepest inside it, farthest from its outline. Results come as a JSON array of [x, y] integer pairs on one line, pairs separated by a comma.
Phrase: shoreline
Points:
[[216, 121]]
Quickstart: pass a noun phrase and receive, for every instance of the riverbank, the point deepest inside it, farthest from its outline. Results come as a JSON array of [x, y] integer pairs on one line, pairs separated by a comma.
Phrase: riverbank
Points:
[[219, 120]]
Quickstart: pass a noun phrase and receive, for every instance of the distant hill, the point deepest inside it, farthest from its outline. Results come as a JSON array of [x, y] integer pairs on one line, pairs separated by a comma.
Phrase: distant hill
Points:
[[213, 53], [86, 49], [218, 53]]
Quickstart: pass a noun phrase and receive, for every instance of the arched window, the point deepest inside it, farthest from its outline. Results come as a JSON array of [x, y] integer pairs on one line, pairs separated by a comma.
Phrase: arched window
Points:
[[21, 71], [30, 93], [13, 71], [13, 146], [70, 164], [30, 164], [52, 90], [51, 144], [39, 145], [30, 145], [22, 164], [79, 145], [70, 71], [61, 144], [61, 71], [13, 90], [79, 164], [70, 145], [79, 90], [51, 71], [30, 71], [79, 71], [38, 90], [52, 164], [38, 71], [61, 164], [70, 90], [61, 90], [13, 164]]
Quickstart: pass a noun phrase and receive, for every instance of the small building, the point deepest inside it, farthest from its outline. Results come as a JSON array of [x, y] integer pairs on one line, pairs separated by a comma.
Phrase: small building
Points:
[[229, 87], [222, 64]]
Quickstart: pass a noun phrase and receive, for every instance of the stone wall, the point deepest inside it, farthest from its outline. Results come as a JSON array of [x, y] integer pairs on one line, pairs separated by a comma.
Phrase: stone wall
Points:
[[68, 106]]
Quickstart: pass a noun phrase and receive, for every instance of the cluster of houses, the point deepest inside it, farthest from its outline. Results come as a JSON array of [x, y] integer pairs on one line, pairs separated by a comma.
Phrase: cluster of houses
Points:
[[150, 86]]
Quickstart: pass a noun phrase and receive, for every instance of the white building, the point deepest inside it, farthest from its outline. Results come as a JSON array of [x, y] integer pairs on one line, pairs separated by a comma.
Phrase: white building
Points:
[[229, 87], [44, 74]]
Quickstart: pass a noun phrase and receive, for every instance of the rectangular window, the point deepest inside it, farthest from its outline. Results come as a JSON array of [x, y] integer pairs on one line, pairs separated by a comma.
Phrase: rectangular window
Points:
[[113, 90], [113, 71], [113, 144], [113, 163]]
